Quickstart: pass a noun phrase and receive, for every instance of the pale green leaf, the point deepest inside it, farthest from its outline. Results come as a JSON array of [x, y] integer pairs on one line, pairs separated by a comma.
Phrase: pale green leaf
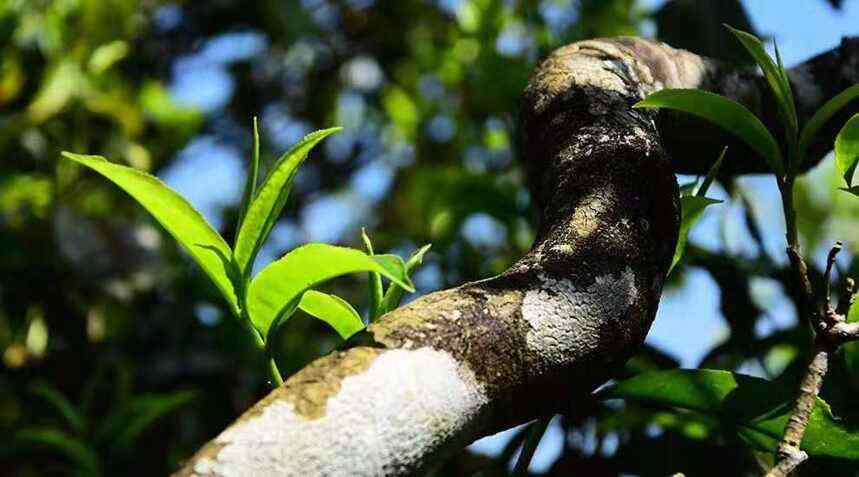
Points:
[[394, 294], [333, 310], [252, 177], [757, 408], [775, 76], [824, 114], [107, 55], [728, 114], [847, 149], [269, 201], [177, 216], [277, 287], [374, 279]]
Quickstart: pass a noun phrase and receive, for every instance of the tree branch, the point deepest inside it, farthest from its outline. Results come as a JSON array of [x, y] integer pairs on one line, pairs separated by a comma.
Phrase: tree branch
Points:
[[458, 364], [831, 331]]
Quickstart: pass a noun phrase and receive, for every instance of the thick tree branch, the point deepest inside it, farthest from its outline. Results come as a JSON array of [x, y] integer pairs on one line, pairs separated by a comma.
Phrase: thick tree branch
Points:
[[462, 363]]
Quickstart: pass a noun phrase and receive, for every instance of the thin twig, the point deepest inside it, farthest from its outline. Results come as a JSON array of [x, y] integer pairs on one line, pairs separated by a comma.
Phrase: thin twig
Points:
[[831, 330]]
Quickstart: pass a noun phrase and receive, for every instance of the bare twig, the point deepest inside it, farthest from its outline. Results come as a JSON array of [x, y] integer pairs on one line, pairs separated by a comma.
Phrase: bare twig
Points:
[[789, 453], [832, 331]]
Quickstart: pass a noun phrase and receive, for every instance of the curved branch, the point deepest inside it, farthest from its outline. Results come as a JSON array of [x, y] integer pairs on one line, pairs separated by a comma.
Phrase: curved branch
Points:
[[459, 364]]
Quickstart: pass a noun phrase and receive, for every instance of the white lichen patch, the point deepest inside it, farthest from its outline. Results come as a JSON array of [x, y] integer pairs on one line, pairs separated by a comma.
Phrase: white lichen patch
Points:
[[382, 422], [564, 319]]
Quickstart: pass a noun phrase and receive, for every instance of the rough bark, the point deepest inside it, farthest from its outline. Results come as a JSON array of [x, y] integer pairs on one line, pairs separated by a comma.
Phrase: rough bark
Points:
[[462, 363]]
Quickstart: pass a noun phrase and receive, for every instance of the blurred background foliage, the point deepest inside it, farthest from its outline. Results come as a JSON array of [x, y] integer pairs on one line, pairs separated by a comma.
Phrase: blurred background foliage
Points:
[[117, 355]]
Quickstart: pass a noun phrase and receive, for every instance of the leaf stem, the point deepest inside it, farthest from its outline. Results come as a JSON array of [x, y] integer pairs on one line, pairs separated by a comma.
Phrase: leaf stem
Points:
[[273, 372]]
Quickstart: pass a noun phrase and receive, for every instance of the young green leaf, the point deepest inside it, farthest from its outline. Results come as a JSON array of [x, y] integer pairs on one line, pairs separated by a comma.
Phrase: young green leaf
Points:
[[394, 294], [728, 114], [847, 149], [279, 284], [374, 281], [824, 114], [775, 76], [251, 179], [691, 209], [177, 216], [757, 408], [333, 310], [852, 190], [711, 174], [266, 207]]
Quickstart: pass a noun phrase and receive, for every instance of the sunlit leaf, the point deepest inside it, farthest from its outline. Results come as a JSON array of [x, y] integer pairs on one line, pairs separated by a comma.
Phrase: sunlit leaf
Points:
[[282, 282], [394, 294], [847, 149], [728, 114], [265, 208], [62, 82], [822, 115], [252, 176], [72, 448], [176, 215], [775, 76], [107, 55], [333, 310], [757, 408], [161, 108]]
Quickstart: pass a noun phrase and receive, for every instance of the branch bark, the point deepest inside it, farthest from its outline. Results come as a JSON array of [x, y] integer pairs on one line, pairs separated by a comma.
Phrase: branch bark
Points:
[[462, 363]]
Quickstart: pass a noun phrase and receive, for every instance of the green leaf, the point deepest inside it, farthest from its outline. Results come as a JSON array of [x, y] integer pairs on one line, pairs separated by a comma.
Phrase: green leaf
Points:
[[691, 209], [333, 310], [63, 406], [374, 282], [269, 201], [775, 76], [756, 408], [177, 216], [711, 174], [535, 435], [728, 114], [847, 149], [124, 425], [824, 114], [278, 286], [72, 448], [853, 190], [251, 180], [394, 294]]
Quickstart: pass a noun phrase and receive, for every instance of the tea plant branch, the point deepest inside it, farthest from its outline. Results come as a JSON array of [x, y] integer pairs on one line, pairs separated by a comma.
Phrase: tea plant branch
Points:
[[426, 379], [831, 331]]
